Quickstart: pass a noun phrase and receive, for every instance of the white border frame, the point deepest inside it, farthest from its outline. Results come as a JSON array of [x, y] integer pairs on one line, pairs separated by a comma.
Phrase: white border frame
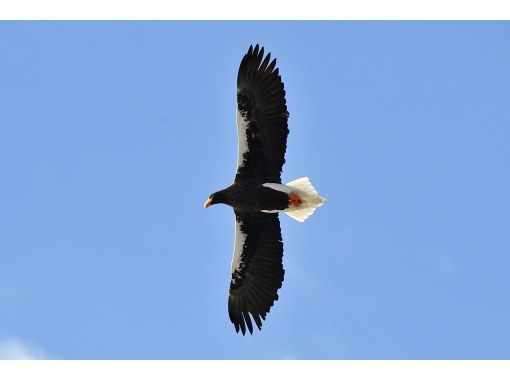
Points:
[[254, 10]]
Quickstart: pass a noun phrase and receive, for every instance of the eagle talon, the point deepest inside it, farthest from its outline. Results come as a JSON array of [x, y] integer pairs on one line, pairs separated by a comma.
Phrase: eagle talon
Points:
[[294, 200]]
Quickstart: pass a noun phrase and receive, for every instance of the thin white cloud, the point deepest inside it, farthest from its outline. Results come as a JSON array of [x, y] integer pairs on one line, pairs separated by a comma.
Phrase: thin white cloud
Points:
[[14, 349]]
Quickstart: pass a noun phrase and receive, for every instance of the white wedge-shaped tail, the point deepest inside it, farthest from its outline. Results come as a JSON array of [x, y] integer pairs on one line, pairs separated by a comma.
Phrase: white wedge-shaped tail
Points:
[[304, 199]]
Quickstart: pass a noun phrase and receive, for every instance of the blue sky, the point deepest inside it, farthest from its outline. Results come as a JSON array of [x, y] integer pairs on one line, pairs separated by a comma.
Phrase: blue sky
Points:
[[112, 135]]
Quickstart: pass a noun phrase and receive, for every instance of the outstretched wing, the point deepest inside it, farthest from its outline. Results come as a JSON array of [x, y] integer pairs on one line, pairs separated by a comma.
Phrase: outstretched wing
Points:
[[257, 269], [261, 118]]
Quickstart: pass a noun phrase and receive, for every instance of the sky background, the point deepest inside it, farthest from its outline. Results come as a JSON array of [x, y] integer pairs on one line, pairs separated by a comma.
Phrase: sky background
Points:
[[113, 134]]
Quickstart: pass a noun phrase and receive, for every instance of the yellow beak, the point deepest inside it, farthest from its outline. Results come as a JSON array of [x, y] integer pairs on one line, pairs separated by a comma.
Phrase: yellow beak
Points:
[[208, 202]]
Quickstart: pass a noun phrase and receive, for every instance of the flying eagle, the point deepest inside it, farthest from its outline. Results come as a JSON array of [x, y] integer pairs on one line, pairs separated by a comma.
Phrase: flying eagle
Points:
[[257, 194]]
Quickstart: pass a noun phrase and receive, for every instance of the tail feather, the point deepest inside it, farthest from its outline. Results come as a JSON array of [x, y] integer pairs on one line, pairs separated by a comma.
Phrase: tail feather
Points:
[[309, 196]]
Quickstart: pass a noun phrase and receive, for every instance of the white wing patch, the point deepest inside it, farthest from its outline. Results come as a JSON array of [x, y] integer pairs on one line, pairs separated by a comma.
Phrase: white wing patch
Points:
[[240, 238], [242, 140]]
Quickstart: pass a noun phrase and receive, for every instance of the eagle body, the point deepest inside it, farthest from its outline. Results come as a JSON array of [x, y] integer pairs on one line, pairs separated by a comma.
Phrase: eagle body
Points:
[[257, 194], [249, 196]]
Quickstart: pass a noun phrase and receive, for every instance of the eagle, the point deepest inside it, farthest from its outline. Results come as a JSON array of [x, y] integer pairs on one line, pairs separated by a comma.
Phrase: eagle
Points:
[[257, 194]]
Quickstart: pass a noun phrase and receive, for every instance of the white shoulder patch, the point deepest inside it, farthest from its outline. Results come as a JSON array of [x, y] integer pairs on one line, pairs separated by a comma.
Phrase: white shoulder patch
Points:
[[242, 140], [240, 238]]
